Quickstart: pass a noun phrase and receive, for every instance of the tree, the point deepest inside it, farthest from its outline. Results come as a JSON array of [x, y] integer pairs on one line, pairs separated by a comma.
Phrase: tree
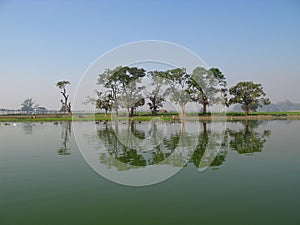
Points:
[[222, 85], [104, 101], [156, 96], [207, 87], [130, 93], [249, 95], [66, 106], [122, 83], [177, 80], [112, 84], [28, 105]]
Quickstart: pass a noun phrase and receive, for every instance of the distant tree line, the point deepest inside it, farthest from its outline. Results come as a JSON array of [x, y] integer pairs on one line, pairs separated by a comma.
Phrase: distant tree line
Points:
[[124, 88], [284, 106]]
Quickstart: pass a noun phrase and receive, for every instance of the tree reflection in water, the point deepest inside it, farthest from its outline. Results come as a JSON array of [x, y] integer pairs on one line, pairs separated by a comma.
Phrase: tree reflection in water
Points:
[[249, 140], [65, 134], [206, 138], [131, 145], [28, 127], [135, 145]]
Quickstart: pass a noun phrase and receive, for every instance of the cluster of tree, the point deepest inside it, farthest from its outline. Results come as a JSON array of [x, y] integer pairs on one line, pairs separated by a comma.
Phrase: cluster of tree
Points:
[[123, 87]]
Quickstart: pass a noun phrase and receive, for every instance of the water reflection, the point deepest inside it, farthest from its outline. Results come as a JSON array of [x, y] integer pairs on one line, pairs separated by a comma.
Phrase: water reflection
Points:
[[65, 134], [134, 145], [28, 127], [137, 144], [248, 140], [208, 137]]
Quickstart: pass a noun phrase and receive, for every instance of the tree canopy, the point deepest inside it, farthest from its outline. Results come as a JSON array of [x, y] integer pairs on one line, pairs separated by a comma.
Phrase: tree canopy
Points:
[[177, 81], [207, 87], [123, 88], [157, 95], [249, 95]]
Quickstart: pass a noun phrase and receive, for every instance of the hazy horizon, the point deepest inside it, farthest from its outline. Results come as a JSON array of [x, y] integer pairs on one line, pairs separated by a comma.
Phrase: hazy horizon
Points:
[[43, 42]]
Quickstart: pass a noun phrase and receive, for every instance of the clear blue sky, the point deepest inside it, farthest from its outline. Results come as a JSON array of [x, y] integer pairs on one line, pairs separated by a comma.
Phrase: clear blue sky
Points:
[[42, 42]]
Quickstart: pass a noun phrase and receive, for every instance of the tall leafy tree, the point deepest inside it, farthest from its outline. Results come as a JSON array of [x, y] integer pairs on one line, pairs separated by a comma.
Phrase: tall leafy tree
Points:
[[222, 85], [249, 95], [177, 80], [156, 96], [130, 92], [207, 87], [122, 83], [66, 105], [112, 84]]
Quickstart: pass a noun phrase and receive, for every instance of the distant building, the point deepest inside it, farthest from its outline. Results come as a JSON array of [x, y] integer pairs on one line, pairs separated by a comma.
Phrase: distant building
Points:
[[40, 109]]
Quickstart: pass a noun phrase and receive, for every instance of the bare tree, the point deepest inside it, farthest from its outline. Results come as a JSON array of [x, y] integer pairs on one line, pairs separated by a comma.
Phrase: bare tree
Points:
[[66, 105]]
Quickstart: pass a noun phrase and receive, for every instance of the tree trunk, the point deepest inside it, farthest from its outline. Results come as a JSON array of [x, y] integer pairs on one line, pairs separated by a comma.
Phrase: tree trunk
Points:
[[154, 111], [131, 112], [128, 112], [182, 110], [247, 110], [69, 109], [204, 108]]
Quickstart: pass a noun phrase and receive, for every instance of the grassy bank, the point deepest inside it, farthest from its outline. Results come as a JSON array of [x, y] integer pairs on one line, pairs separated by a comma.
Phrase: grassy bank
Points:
[[147, 117]]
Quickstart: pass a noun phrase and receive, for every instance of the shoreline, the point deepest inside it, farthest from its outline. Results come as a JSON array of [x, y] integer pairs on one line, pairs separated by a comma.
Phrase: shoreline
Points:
[[168, 118]]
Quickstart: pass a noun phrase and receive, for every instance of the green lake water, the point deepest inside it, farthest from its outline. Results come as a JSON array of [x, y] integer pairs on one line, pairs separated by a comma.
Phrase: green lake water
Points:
[[254, 178]]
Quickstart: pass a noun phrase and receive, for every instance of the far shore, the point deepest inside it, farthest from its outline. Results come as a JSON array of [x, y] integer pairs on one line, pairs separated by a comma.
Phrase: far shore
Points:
[[170, 117]]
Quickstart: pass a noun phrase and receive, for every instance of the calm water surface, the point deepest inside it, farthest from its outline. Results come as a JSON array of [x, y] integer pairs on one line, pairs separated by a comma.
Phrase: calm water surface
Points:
[[254, 179]]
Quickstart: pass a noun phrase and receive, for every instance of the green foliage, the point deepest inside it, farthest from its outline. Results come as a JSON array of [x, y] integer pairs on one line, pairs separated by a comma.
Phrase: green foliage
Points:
[[248, 94], [104, 101], [62, 84], [207, 87], [157, 96], [177, 81], [121, 84]]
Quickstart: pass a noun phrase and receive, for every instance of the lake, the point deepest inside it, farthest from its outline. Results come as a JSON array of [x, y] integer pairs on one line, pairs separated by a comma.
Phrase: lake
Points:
[[150, 173]]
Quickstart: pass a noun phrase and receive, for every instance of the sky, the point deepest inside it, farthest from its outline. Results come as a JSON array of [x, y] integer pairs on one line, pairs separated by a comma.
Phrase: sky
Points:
[[42, 42]]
